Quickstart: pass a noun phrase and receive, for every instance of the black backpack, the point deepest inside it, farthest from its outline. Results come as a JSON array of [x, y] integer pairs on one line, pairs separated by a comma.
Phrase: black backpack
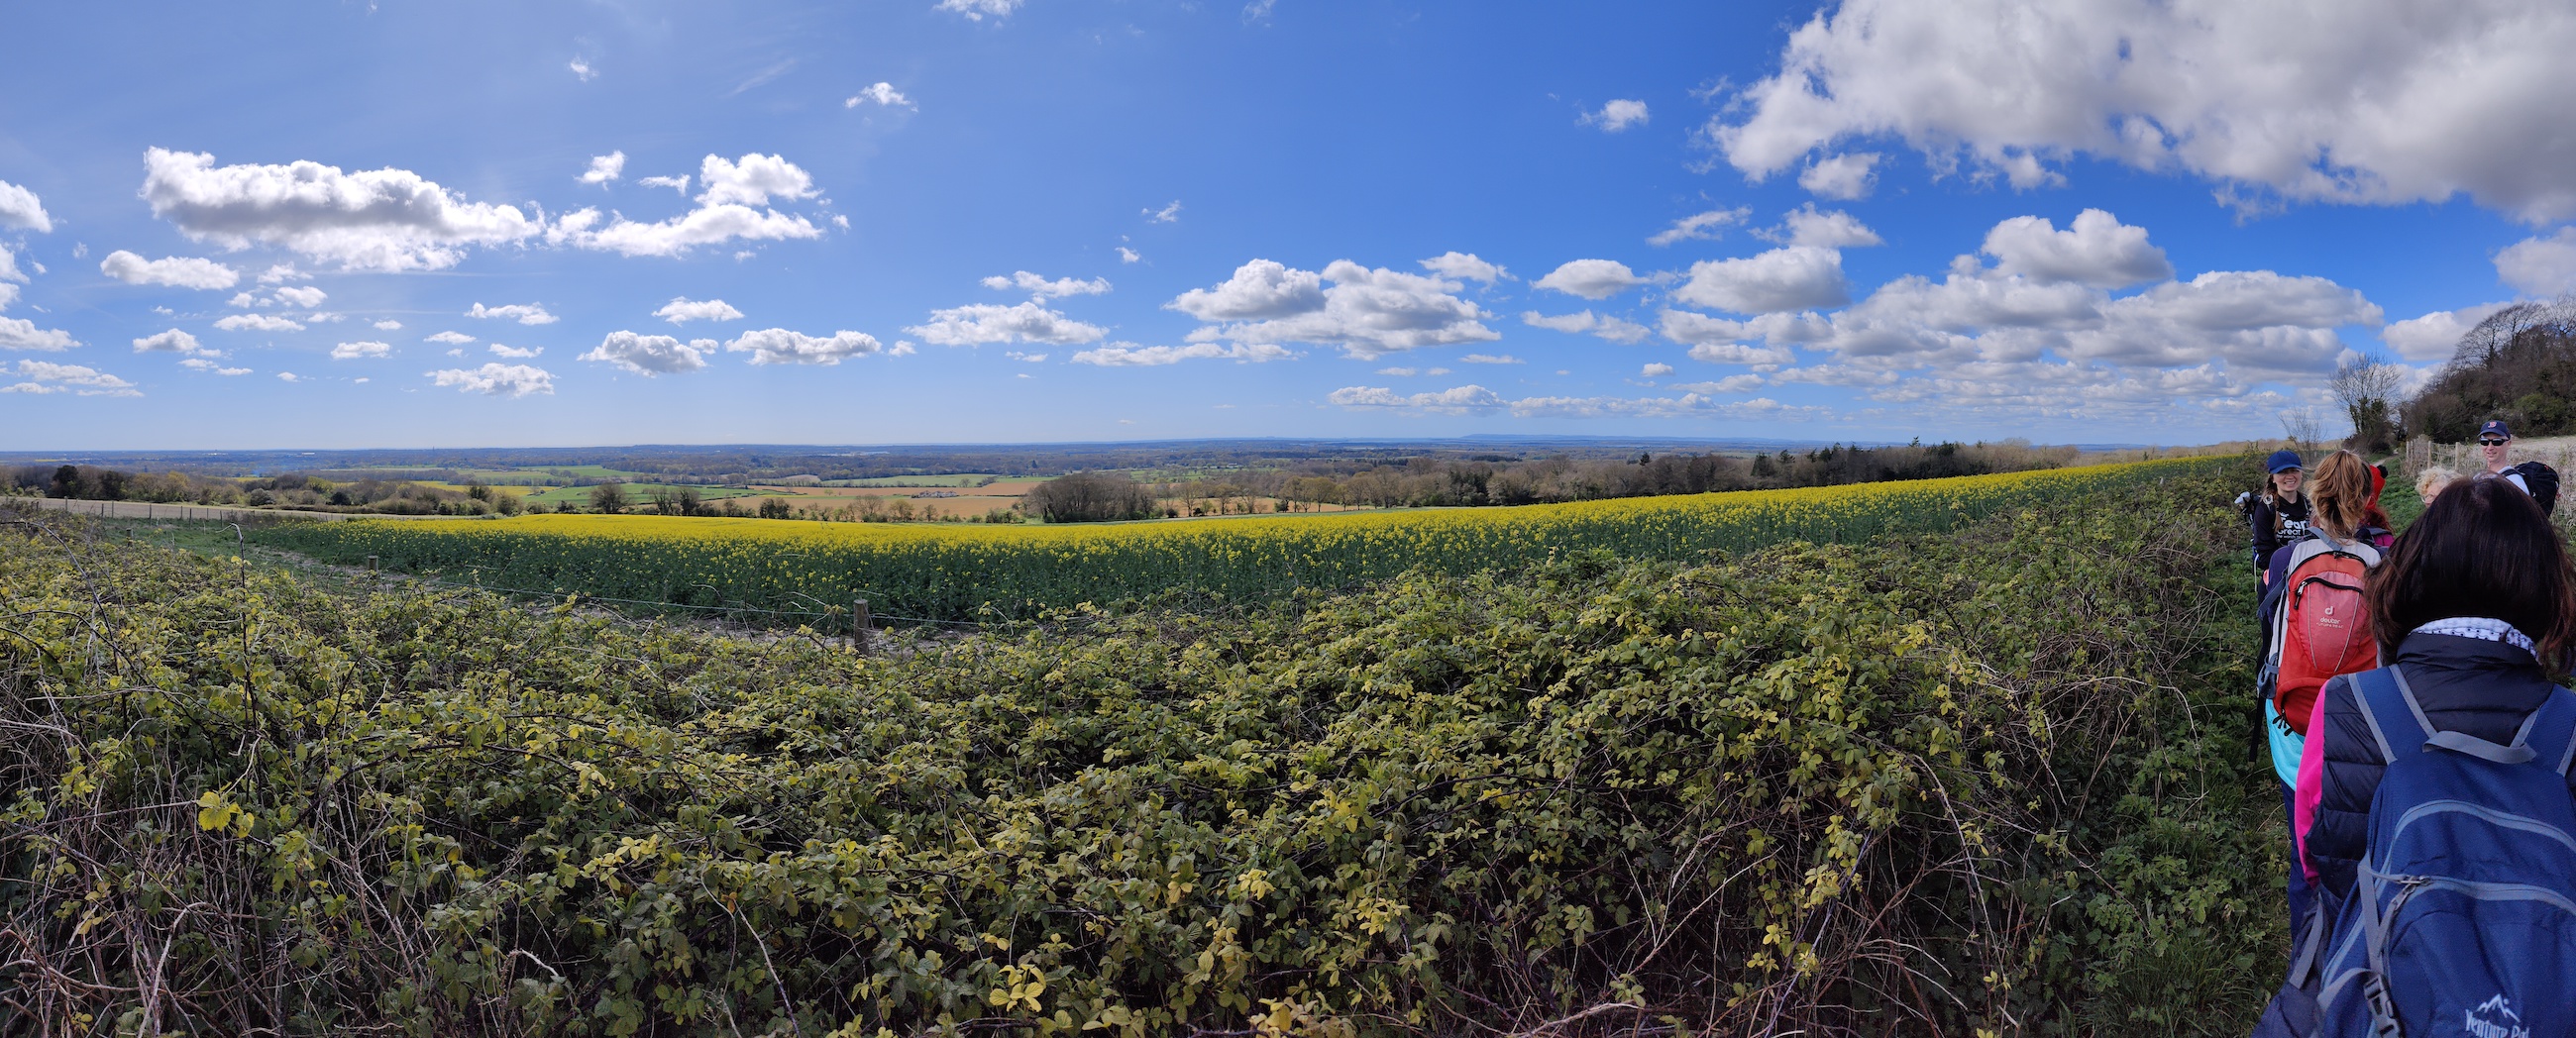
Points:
[[2543, 482]]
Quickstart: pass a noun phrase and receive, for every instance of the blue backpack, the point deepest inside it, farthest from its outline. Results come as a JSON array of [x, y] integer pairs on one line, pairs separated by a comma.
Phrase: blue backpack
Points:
[[2462, 918]]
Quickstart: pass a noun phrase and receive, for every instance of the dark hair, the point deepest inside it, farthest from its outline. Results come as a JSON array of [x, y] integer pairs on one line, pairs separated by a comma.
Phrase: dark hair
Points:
[[2482, 549]]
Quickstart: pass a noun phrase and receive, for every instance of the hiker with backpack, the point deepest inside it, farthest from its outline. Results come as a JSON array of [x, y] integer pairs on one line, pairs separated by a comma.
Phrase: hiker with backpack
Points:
[[2315, 626], [2495, 448], [2278, 513], [2434, 810]]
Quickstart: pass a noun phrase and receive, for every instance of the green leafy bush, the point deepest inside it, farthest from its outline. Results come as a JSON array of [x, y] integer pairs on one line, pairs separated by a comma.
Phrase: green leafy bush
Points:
[[1993, 781]]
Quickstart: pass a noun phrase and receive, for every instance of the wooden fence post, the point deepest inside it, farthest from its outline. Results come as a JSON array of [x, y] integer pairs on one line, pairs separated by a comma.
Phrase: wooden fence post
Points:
[[859, 623]]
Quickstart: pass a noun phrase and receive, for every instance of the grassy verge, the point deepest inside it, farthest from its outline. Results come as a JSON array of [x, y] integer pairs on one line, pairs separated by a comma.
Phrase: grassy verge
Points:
[[1992, 780]]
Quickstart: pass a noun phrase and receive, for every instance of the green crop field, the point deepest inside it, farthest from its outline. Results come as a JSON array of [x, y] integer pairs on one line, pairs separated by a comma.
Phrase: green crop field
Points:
[[965, 479], [1993, 781], [638, 492], [967, 572]]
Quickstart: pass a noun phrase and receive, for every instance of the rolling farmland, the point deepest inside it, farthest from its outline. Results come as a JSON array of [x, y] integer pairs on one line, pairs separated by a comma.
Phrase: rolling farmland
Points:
[[1987, 781], [949, 572]]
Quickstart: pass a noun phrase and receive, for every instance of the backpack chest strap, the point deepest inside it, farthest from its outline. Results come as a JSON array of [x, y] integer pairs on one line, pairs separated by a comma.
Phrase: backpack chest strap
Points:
[[2397, 722]]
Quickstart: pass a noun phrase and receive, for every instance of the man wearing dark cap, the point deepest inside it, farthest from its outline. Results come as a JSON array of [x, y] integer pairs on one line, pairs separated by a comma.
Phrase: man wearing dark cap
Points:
[[2495, 448], [2280, 513]]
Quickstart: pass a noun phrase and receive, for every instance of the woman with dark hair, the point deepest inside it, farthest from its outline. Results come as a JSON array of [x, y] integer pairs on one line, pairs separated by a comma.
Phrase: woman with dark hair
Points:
[[2476, 606]]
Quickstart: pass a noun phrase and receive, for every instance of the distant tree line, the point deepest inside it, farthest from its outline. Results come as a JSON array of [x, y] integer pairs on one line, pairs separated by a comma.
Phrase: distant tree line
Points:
[[2518, 365], [1435, 481], [290, 490]]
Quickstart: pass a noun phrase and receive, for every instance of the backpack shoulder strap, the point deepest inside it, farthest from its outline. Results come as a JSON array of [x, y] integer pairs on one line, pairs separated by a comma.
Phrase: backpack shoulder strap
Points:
[[2394, 718], [2550, 731]]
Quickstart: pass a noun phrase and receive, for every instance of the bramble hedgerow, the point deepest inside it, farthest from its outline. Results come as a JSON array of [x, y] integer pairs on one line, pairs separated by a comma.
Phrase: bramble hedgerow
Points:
[[1991, 781]]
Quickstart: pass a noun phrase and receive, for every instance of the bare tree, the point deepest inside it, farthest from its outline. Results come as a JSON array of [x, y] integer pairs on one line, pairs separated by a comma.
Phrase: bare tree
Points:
[[2302, 427], [2366, 386]]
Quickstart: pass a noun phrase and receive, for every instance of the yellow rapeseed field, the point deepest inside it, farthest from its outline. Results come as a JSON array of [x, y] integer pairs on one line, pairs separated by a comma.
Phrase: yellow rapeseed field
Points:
[[950, 571]]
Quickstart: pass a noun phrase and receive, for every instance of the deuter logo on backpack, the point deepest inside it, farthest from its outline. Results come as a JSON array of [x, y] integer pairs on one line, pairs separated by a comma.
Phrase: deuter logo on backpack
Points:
[[2322, 629], [2494, 1018]]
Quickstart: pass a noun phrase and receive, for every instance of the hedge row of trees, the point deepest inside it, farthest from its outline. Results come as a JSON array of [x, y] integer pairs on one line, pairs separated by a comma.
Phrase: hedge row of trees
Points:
[[1436, 481], [2518, 365]]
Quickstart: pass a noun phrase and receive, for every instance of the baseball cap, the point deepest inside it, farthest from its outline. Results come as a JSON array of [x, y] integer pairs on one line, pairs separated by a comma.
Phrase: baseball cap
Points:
[[2283, 461], [2495, 428]]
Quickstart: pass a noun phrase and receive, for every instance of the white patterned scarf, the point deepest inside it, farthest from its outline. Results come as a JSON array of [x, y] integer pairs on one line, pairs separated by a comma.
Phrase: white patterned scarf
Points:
[[2481, 628]]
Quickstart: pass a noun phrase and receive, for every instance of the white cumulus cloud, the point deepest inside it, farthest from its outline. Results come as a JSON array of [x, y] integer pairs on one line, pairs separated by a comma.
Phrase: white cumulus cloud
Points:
[[524, 313], [202, 364], [1709, 224], [1655, 371], [258, 323], [2383, 102], [1591, 278], [45, 377], [2540, 266], [2096, 249], [452, 338], [1367, 312], [175, 271], [1617, 115], [1465, 266], [2435, 336], [514, 352], [1602, 325], [881, 93], [1460, 400], [361, 350], [17, 334], [305, 296], [730, 207], [1794, 277], [780, 346], [977, 10], [1261, 288], [172, 341], [604, 168], [1167, 214], [1130, 355], [384, 219], [1824, 229], [496, 379], [682, 310], [1842, 177], [979, 323], [21, 208], [1041, 289], [752, 180], [388, 325], [651, 355], [1128, 255]]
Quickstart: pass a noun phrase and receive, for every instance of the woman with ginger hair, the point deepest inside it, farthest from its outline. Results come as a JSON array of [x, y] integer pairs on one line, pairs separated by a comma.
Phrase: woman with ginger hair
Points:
[[2342, 499]]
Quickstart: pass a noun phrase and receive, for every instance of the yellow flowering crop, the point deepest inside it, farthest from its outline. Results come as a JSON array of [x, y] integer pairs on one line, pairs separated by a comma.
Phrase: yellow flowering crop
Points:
[[964, 571]]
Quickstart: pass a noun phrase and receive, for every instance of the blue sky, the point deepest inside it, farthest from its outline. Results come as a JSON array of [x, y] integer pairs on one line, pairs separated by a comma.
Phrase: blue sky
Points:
[[995, 220]]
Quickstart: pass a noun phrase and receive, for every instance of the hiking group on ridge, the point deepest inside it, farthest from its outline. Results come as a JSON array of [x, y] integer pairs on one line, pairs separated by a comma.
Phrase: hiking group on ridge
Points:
[[2422, 746]]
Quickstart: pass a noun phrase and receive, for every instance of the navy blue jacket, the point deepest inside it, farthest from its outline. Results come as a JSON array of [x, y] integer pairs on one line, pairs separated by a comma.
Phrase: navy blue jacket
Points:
[[2468, 685]]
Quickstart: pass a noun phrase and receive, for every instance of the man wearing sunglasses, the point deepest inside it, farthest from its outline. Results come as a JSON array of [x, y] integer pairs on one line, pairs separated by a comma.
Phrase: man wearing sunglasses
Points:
[[2495, 448]]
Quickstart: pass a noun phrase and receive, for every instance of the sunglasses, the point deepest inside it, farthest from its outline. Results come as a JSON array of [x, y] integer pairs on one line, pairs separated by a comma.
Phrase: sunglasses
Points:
[[2490, 441]]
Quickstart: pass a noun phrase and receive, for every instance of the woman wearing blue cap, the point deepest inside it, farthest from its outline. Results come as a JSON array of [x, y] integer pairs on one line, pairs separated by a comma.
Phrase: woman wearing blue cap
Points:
[[2279, 514]]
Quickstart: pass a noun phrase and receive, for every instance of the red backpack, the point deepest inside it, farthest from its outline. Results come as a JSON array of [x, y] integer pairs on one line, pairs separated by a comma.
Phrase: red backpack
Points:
[[2322, 629]]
